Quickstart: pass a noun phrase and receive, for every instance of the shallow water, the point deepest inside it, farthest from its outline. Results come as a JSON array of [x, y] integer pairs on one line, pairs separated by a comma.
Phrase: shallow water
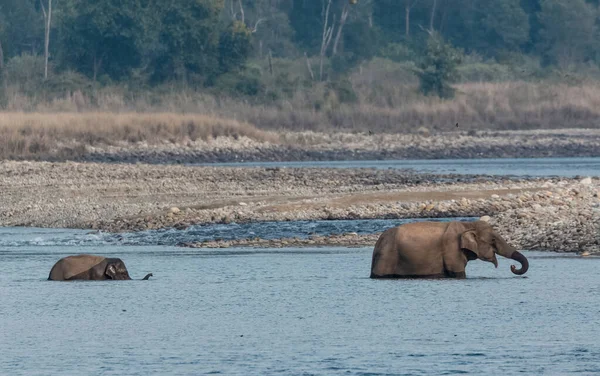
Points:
[[310, 311], [566, 167], [23, 237]]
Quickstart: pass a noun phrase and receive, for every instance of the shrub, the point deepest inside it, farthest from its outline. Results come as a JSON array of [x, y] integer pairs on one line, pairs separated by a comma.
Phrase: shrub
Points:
[[26, 72], [438, 68], [235, 45]]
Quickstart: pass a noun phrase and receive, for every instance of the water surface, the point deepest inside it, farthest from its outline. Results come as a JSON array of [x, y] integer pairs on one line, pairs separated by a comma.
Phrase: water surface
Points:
[[309, 311], [567, 167], [24, 237]]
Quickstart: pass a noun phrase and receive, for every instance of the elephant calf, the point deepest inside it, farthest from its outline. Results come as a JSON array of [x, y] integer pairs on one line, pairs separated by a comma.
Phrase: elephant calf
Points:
[[438, 249], [89, 267]]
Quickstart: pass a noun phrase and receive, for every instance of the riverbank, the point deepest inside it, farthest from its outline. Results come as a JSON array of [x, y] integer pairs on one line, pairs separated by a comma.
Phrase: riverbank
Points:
[[311, 146], [559, 214], [170, 138]]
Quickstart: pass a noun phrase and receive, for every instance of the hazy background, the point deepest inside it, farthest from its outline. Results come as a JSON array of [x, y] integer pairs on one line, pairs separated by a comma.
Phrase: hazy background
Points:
[[386, 66]]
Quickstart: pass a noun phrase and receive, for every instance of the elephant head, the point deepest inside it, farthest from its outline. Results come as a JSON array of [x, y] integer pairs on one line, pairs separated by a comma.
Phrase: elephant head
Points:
[[480, 241], [115, 269]]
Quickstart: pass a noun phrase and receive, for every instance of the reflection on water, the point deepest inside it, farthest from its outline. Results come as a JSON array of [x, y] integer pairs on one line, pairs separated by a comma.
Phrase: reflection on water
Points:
[[567, 167], [309, 311]]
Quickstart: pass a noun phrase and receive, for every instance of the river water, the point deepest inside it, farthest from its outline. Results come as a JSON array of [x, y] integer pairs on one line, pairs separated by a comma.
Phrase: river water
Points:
[[308, 311], [567, 167]]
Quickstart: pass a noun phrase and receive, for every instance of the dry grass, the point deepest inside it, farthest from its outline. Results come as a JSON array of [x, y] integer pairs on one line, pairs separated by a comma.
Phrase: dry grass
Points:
[[482, 106], [65, 127], [42, 135]]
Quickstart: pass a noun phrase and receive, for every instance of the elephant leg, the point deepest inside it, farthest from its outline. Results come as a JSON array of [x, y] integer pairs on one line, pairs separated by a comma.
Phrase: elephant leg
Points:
[[457, 275]]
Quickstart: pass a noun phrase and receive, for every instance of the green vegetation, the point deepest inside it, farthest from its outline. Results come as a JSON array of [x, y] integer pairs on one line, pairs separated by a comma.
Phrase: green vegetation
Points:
[[439, 68], [321, 58]]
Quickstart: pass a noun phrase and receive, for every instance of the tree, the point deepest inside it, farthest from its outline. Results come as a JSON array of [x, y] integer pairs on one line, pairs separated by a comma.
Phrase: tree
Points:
[[2, 31], [326, 38], [306, 19], [568, 30], [505, 25], [234, 47], [485, 26], [102, 36], [188, 38], [408, 5], [22, 31], [438, 68], [47, 23], [340, 29], [387, 14]]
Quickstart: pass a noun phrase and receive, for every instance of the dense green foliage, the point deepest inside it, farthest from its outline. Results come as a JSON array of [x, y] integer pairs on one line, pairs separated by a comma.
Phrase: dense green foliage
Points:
[[209, 43], [439, 67]]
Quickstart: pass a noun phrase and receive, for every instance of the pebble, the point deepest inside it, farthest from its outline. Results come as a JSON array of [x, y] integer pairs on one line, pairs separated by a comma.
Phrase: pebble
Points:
[[567, 220]]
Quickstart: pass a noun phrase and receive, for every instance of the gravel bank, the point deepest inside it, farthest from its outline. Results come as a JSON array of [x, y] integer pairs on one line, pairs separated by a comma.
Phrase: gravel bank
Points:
[[536, 214], [310, 146]]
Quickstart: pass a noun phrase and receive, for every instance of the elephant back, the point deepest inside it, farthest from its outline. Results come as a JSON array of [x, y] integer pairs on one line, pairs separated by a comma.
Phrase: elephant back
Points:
[[70, 266]]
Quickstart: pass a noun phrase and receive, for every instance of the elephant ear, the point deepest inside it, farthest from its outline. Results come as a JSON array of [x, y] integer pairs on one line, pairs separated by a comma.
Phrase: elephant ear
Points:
[[468, 241], [111, 271]]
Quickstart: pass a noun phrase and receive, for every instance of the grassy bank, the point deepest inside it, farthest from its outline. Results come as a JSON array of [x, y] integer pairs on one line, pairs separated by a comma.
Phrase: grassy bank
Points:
[[40, 135], [381, 97], [377, 108]]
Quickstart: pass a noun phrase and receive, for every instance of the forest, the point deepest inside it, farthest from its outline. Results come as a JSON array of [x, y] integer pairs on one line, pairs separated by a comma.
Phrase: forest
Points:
[[318, 56]]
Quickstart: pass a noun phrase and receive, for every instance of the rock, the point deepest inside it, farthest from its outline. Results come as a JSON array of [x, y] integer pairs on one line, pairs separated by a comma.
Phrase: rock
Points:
[[585, 254], [485, 218], [586, 181], [243, 204], [495, 196], [174, 210], [423, 131]]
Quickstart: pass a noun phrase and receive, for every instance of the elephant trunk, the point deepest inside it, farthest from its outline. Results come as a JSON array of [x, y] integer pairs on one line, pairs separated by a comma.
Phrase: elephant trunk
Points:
[[504, 249], [147, 276], [518, 256]]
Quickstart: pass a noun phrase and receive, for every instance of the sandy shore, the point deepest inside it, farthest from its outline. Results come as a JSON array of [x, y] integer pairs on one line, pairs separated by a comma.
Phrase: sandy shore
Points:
[[540, 214]]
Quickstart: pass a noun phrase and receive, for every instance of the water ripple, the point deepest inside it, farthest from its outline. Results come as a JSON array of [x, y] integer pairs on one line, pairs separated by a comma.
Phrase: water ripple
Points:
[[27, 237]]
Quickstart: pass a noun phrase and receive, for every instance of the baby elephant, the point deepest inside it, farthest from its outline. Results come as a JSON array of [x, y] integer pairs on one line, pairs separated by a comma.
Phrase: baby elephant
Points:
[[90, 268], [438, 249]]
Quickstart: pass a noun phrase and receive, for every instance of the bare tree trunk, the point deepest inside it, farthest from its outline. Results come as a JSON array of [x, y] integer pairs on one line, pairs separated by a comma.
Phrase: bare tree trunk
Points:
[[270, 63], [343, 19], [310, 71], [232, 13], [242, 12], [327, 34], [48, 21], [1, 57], [443, 19], [432, 17], [407, 7], [97, 66]]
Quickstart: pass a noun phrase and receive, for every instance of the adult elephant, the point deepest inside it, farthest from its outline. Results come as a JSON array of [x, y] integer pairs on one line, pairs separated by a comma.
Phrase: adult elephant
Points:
[[90, 267], [439, 249]]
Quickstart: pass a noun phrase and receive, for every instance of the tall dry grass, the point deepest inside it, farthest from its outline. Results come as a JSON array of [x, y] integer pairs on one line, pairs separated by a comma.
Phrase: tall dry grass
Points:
[[43, 135], [115, 118]]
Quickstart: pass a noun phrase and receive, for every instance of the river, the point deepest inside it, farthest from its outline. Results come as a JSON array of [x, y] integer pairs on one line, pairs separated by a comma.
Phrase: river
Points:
[[296, 311], [566, 167]]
